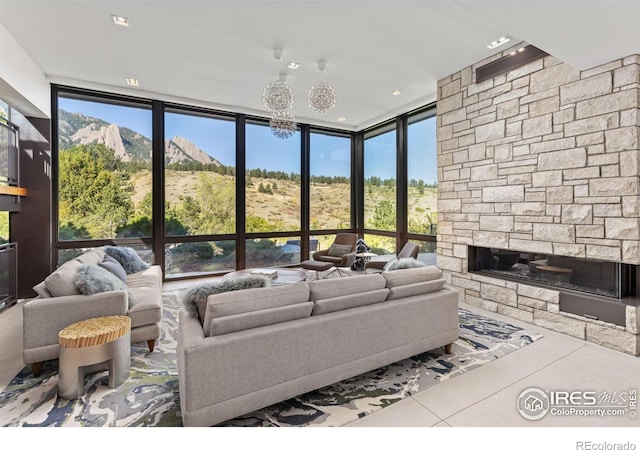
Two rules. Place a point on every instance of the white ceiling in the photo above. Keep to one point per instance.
(219, 54)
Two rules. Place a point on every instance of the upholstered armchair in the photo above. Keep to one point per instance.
(409, 250)
(342, 253)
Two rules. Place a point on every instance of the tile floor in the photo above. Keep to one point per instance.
(484, 397)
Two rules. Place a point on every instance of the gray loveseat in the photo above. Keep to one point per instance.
(257, 347)
(50, 312)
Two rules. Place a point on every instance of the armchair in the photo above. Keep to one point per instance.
(409, 250)
(335, 254)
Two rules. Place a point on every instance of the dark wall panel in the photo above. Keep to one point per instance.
(30, 227)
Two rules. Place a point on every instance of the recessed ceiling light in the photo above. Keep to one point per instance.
(119, 20)
(396, 92)
(499, 42)
(132, 82)
(293, 65)
(341, 119)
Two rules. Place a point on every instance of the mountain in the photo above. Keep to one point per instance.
(78, 129)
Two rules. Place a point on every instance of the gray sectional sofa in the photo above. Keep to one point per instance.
(257, 347)
(60, 303)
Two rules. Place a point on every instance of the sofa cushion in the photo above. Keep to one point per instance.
(253, 300)
(403, 263)
(62, 281)
(127, 257)
(321, 289)
(255, 319)
(409, 290)
(93, 279)
(41, 290)
(329, 305)
(339, 250)
(113, 266)
(331, 259)
(410, 276)
(92, 256)
(195, 300)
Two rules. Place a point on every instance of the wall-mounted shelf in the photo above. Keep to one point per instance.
(12, 190)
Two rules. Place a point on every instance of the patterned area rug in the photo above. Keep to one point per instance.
(150, 396)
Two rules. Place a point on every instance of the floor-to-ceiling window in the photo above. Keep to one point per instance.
(164, 177)
(272, 197)
(380, 197)
(199, 192)
(422, 184)
(329, 186)
(104, 173)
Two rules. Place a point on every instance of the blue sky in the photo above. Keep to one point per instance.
(329, 154)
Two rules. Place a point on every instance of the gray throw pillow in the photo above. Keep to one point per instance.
(195, 300)
(93, 279)
(339, 250)
(403, 263)
(113, 266)
(128, 259)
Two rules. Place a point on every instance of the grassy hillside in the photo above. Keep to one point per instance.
(330, 203)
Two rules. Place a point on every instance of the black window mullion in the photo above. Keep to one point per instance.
(241, 181)
(157, 158)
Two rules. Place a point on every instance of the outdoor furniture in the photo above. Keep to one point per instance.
(89, 342)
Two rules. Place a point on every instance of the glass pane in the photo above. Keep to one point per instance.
(144, 251)
(427, 252)
(330, 188)
(4, 227)
(195, 258)
(200, 182)
(422, 174)
(272, 252)
(381, 245)
(320, 242)
(380, 182)
(104, 170)
(273, 181)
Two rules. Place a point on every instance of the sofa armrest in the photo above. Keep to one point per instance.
(43, 318)
(320, 253)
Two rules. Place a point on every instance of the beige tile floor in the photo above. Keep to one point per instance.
(483, 397)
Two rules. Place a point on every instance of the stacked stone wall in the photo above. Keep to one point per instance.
(542, 159)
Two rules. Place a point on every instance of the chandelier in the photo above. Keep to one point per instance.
(277, 97)
(321, 96)
(283, 125)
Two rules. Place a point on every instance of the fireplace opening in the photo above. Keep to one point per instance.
(602, 278)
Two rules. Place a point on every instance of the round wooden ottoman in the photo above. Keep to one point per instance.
(93, 341)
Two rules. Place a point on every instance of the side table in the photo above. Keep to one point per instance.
(89, 342)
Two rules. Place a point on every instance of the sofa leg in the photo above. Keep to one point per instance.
(447, 348)
(36, 368)
(151, 343)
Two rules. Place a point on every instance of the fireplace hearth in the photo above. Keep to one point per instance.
(601, 278)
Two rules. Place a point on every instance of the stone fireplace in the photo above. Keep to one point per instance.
(541, 165)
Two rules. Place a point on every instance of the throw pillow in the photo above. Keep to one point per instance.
(128, 259)
(93, 279)
(339, 250)
(195, 300)
(403, 263)
(113, 266)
